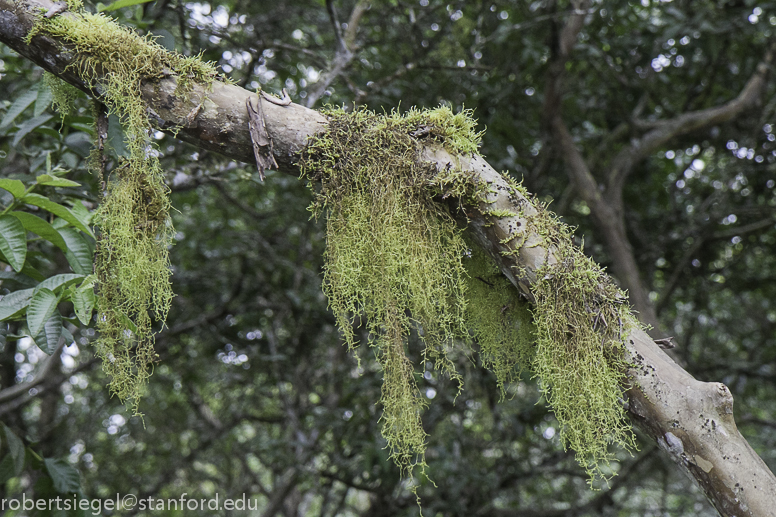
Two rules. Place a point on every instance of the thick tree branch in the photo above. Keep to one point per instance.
(692, 421)
(606, 205)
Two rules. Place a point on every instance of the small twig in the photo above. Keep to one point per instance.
(284, 100)
(666, 343)
(341, 47)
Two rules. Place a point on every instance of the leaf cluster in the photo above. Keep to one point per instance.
(69, 231)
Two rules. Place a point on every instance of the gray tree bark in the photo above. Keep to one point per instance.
(691, 421)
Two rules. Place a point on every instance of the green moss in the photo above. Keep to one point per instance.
(581, 320)
(396, 256)
(131, 261)
(501, 213)
(63, 94)
(392, 253)
(499, 318)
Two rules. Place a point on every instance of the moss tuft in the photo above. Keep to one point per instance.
(499, 318)
(63, 95)
(396, 256)
(392, 253)
(131, 261)
(581, 320)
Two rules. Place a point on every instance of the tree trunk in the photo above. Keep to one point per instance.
(692, 421)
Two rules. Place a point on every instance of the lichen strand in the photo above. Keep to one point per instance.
(392, 253)
(133, 271)
(581, 320)
(395, 255)
(63, 95)
(499, 318)
(131, 261)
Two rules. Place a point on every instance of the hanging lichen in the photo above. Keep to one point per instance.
(392, 253)
(131, 261)
(63, 95)
(499, 319)
(582, 319)
(395, 255)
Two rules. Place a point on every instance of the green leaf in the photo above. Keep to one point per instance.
(32, 272)
(44, 98)
(33, 223)
(81, 212)
(6, 469)
(67, 335)
(127, 322)
(13, 241)
(116, 138)
(52, 181)
(83, 300)
(29, 125)
(16, 450)
(15, 187)
(51, 333)
(80, 143)
(58, 210)
(78, 253)
(64, 476)
(18, 106)
(118, 4)
(15, 303)
(165, 38)
(48, 131)
(64, 281)
(42, 306)
(83, 128)
(20, 278)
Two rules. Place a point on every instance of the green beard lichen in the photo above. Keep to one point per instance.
(131, 260)
(392, 253)
(499, 319)
(582, 319)
(63, 95)
(396, 256)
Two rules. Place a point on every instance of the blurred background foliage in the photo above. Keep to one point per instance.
(255, 394)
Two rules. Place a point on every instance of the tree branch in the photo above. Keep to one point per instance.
(608, 218)
(611, 223)
(344, 53)
(664, 131)
(20, 389)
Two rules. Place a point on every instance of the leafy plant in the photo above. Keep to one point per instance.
(37, 306)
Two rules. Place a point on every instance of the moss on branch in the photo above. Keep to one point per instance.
(131, 261)
(396, 256)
